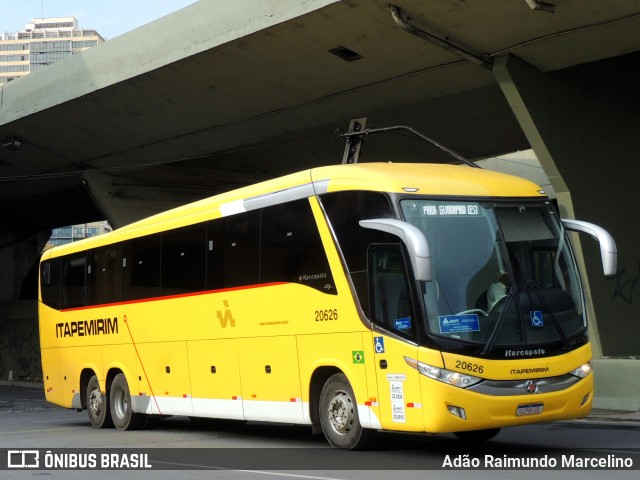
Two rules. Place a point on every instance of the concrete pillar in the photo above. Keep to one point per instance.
(19, 253)
(19, 341)
(588, 143)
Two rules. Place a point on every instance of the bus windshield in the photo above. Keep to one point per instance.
(503, 275)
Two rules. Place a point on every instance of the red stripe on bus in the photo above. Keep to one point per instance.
(171, 297)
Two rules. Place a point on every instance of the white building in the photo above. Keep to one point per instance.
(40, 43)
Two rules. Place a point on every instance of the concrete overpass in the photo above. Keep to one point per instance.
(222, 94)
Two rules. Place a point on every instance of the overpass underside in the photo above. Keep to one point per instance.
(223, 94)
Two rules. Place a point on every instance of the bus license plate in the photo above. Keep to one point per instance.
(529, 409)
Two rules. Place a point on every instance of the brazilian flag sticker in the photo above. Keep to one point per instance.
(358, 356)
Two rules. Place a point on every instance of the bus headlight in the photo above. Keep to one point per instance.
(582, 371)
(456, 379)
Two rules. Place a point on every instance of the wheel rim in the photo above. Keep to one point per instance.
(341, 413)
(95, 402)
(120, 403)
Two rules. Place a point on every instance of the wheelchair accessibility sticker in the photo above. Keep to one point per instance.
(378, 343)
(536, 318)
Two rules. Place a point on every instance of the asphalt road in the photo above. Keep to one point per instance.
(260, 451)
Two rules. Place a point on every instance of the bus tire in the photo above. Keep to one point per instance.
(120, 405)
(97, 405)
(339, 415)
(477, 436)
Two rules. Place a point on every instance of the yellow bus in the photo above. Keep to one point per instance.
(350, 298)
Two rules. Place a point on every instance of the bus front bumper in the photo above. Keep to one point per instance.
(453, 409)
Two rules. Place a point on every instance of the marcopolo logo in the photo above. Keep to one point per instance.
(525, 353)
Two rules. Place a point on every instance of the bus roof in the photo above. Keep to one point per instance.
(404, 178)
(427, 179)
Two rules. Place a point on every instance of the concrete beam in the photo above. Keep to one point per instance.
(194, 29)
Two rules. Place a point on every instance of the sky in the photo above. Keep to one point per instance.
(110, 18)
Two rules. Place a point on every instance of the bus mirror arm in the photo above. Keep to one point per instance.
(413, 239)
(608, 249)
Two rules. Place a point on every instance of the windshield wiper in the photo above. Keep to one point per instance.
(511, 298)
(511, 294)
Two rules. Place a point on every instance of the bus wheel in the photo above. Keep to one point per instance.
(477, 436)
(97, 405)
(339, 415)
(120, 402)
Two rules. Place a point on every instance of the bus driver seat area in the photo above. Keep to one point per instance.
(389, 290)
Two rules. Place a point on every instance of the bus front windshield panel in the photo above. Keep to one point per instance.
(503, 275)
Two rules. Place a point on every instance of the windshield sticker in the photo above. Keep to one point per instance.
(459, 323)
(403, 324)
(536, 318)
(451, 210)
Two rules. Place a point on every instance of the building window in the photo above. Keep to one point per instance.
(14, 47)
(14, 68)
(13, 58)
(84, 44)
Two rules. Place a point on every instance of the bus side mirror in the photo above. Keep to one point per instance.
(608, 250)
(413, 239)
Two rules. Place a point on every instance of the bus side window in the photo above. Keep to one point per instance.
(74, 281)
(50, 283)
(141, 267)
(184, 260)
(233, 251)
(389, 289)
(104, 275)
(344, 210)
(291, 248)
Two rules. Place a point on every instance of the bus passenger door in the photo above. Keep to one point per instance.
(393, 339)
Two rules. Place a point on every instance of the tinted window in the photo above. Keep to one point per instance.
(183, 260)
(345, 210)
(291, 249)
(141, 267)
(390, 291)
(50, 277)
(276, 244)
(104, 275)
(74, 270)
(233, 251)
